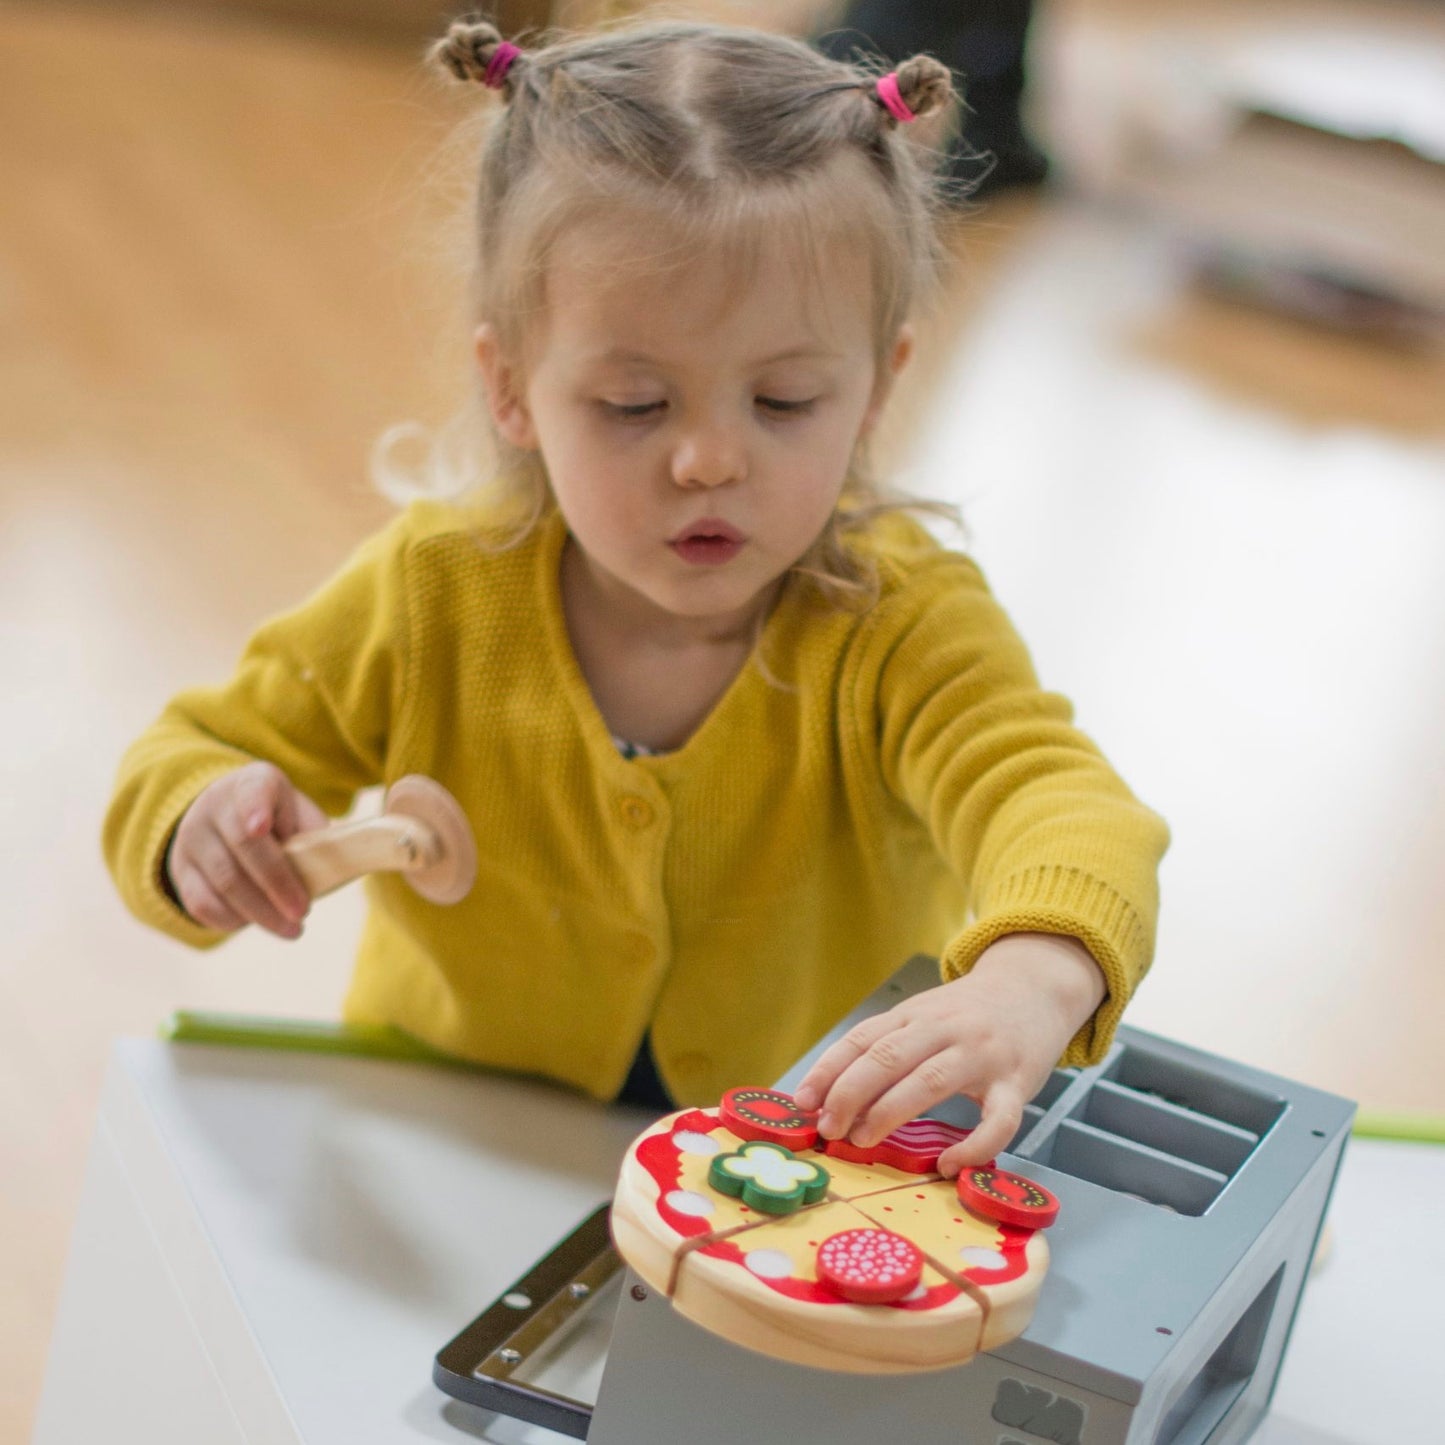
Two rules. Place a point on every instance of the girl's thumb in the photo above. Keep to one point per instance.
(298, 814)
(259, 798)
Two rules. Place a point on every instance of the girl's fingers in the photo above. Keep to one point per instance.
(933, 1079)
(819, 1080)
(264, 863)
(1003, 1112)
(203, 903)
(960, 1157)
(896, 1054)
(297, 814)
(227, 874)
(270, 811)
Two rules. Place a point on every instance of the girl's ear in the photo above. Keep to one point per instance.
(506, 398)
(888, 373)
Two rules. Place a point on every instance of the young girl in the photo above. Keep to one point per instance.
(736, 738)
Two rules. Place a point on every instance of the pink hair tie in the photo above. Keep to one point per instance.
(500, 64)
(892, 99)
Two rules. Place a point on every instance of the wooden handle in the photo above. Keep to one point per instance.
(329, 857)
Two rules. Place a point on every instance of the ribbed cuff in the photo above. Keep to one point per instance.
(1066, 902)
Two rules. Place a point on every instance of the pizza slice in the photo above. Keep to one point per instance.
(1000, 1265)
(665, 1205)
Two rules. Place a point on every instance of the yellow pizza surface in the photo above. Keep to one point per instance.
(851, 1180)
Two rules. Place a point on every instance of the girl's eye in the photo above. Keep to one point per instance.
(632, 411)
(786, 408)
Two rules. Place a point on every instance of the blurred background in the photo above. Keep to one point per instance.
(1185, 379)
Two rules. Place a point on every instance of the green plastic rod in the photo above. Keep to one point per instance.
(1410, 1128)
(375, 1041)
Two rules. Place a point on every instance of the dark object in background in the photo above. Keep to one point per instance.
(983, 42)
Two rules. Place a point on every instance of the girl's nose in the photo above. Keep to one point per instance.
(708, 457)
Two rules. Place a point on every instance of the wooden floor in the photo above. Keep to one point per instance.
(220, 278)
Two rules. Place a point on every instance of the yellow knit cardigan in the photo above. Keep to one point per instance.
(884, 778)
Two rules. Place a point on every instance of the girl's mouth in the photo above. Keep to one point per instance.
(708, 543)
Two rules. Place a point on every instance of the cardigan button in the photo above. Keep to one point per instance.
(637, 812)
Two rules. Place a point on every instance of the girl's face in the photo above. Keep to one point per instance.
(696, 424)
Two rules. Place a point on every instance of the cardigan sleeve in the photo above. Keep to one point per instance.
(316, 692)
(1044, 835)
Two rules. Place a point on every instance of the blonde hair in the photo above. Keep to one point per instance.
(716, 132)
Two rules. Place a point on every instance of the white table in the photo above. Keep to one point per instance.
(272, 1247)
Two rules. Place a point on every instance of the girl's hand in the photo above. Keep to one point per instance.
(993, 1035)
(225, 866)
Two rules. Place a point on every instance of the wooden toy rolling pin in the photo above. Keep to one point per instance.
(422, 834)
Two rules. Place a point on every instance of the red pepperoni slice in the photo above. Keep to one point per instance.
(1008, 1198)
(769, 1116)
(869, 1266)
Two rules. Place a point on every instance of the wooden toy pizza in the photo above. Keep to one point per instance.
(861, 1260)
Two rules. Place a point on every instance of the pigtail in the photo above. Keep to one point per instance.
(918, 87)
(925, 84)
(473, 49)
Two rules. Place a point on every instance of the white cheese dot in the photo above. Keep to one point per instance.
(977, 1257)
(769, 1263)
(691, 1142)
(685, 1201)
